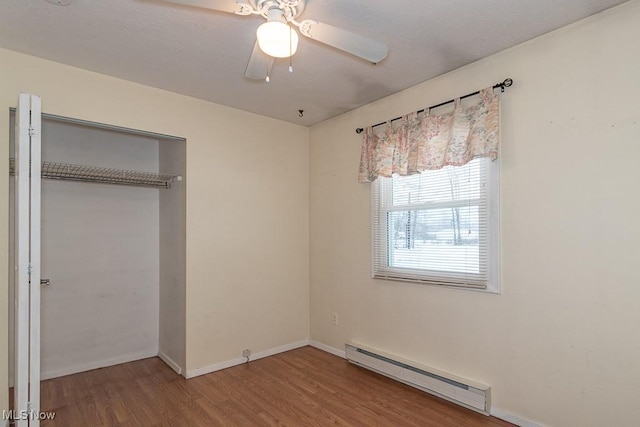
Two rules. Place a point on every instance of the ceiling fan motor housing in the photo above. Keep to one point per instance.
(290, 8)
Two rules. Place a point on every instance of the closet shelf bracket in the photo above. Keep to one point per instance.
(71, 172)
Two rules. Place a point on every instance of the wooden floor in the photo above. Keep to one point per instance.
(303, 387)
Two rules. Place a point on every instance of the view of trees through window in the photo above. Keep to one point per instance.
(434, 219)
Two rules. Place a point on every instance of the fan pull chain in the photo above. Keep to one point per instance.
(290, 49)
(267, 79)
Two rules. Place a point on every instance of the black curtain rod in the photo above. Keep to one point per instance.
(505, 83)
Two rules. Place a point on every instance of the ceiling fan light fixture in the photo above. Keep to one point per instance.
(275, 37)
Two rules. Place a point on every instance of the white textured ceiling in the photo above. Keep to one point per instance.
(204, 53)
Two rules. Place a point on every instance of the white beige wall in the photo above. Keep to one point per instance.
(560, 345)
(100, 249)
(172, 331)
(247, 205)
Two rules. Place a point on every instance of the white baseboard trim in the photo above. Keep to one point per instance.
(514, 419)
(281, 349)
(216, 367)
(328, 349)
(47, 375)
(240, 360)
(170, 362)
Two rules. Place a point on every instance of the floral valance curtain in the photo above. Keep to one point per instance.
(432, 141)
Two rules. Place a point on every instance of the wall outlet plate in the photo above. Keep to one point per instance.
(246, 352)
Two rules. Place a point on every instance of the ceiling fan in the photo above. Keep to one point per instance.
(277, 38)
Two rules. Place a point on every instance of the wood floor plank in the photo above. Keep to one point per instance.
(303, 387)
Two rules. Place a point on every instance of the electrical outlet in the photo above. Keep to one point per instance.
(335, 319)
(246, 352)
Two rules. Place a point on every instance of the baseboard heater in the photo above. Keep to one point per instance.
(467, 393)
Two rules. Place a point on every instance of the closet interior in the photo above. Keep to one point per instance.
(112, 247)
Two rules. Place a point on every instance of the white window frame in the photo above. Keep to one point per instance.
(380, 269)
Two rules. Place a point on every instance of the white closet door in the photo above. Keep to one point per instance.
(27, 266)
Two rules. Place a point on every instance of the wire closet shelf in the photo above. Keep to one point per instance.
(71, 172)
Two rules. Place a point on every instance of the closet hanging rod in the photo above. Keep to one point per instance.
(71, 172)
(502, 85)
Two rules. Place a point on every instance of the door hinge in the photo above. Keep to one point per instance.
(32, 131)
(29, 268)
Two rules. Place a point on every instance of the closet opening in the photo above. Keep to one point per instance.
(113, 247)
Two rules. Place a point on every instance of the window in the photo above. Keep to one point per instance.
(439, 227)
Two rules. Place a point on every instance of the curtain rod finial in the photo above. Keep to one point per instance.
(359, 131)
(506, 83)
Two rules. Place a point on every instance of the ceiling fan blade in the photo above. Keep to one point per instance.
(230, 6)
(363, 47)
(259, 65)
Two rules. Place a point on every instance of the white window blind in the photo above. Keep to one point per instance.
(438, 227)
